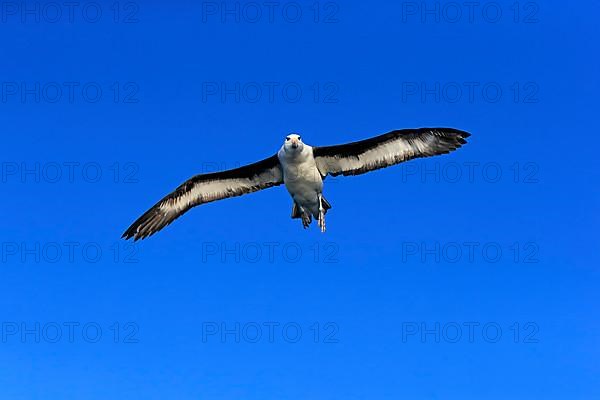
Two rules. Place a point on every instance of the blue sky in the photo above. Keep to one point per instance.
(471, 275)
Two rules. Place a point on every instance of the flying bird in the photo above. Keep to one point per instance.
(302, 169)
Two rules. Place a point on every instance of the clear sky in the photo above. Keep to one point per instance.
(467, 276)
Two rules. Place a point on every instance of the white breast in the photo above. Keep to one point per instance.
(301, 177)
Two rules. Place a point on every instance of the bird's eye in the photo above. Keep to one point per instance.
(287, 139)
(299, 138)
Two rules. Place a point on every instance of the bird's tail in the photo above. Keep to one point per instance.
(326, 204)
(296, 213)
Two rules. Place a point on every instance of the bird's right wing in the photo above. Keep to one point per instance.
(203, 189)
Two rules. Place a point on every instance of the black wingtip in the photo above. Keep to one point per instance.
(457, 135)
(448, 139)
(463, 135)
(129, 234)
(458, 132)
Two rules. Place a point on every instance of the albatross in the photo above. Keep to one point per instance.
(302, 168)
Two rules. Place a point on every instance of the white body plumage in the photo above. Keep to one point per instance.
(301, 175)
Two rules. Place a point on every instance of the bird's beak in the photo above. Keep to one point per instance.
(294, 143)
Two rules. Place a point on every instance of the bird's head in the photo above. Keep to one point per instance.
(293, 143)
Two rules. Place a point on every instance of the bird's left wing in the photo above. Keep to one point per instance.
(205, 188)
(385, 150)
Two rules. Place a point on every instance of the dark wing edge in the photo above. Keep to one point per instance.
(206, 188)
(388, 149)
